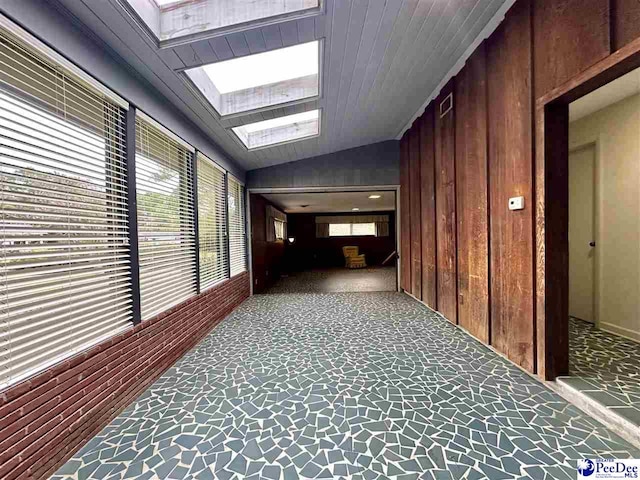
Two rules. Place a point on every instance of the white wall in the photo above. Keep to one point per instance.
(616, 131)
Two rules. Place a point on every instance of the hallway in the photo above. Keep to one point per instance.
(364, 385)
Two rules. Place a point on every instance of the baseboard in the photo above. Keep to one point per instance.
(620, 331)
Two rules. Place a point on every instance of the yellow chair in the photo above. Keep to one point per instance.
(352, 259)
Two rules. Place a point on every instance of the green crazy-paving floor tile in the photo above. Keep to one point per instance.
(359, 386)
(605, 367)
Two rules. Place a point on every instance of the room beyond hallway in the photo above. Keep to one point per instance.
(338, 280)
(366, 385)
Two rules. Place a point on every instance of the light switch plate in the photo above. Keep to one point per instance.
(516, 203)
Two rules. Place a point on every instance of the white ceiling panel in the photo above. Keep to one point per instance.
(381, 61)
(334, 202)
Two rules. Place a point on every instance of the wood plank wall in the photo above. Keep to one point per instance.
(415, 213)
(570, 35)
(405, 216)
(625, 15)
(510, 164)
(477, 258)
(446, 204)
(472, 196)
(428, 207)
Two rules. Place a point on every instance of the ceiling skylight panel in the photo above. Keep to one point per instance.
(262, 80)
(264, 68)
(279, 130)
(171, 19)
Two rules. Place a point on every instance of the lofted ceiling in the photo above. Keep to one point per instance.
(382, 60)
(333, 202)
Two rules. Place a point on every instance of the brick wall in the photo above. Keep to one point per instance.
(48, 417)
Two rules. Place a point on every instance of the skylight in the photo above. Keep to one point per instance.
(262, 80)
(264, 68)
(164, 3)
(279, 130)
(170, 19)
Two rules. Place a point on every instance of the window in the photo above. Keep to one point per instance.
(260, 80)
(212, 223)
(166, 226)
(66, 281)
(352, 229)
(279, 130)
(237, 237)
(279, 228)
(170, 19)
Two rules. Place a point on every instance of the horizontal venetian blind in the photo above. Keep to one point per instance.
(65, 250)
(212, 223)
(166, 226)
(237, 236)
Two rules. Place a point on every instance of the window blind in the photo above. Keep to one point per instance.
(65, 250)
(212, 218)
(237, 237)
(166, 226)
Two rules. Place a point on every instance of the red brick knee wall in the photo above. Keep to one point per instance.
(47, 418)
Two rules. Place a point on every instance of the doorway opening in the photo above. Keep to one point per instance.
(324, 241)
(604, 248)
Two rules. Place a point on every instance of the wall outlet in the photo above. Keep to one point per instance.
(516, 203)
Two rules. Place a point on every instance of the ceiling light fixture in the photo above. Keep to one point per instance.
(374, 197)
(355, 209)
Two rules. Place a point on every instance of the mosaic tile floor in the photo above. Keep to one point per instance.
(606, 368)
(335, 280)
(352, 386)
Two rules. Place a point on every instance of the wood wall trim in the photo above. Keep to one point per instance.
(552, 240)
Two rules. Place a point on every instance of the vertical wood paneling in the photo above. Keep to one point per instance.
(472, 196)
(570, 35)
(625, 22)
(405, 216)
(510, 165)
(446, 207)
(428, 207)
(416, 220)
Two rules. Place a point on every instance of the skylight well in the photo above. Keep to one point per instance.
(170, 19)
(279, 130)
(262, 80)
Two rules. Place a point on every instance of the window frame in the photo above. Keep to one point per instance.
(77, 172)
(118, 154)
(202, 284)
(351, 234)
(277, 223)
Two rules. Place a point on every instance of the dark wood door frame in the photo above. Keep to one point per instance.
(552, 206)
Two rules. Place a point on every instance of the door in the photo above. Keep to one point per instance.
(582, 233)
